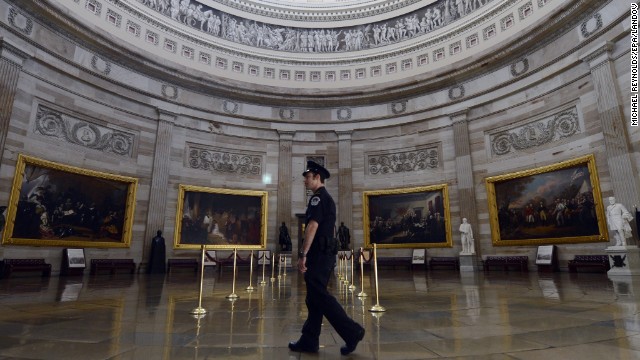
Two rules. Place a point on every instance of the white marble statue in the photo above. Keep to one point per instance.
(466, 234)
(618, 218)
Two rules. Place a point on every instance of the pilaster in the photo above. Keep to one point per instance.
(285, 165)
(345, 179)
(11, 62)
(159, 179)
(624, 180)
(464, 174)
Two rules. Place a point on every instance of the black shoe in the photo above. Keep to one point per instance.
(351, 345)
(298, 346)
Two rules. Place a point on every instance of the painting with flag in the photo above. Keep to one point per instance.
(557, 203)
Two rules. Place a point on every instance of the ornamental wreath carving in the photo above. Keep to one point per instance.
(401, 161)
(552, 128)
(54, 124)
(224, 161)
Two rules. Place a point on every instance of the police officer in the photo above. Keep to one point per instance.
(316, 260)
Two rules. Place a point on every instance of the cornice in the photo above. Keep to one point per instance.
(316, 14)
(274, 96)
(11, 53)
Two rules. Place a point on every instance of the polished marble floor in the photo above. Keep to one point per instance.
(429, 315)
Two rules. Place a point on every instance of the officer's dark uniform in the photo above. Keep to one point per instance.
(321, 259)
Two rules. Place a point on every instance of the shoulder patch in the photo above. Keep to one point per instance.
(315, 201)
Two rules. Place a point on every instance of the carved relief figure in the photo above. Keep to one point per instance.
(240, 30)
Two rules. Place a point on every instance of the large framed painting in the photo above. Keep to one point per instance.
(416, 217)
(52, 204)
(553, 204)
(220, 218)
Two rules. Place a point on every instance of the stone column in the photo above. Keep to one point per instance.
(624, 181)
(285, 177)
(11, 61)
(159, 181)
(464, 174)
(345, 180)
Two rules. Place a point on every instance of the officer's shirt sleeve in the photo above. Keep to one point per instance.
(314, 211)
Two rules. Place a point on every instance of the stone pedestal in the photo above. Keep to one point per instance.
(467, 262)
(624, 260)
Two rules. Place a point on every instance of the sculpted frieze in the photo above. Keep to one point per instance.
(224, 161)
(533, 134)
(55, 124)
(314, 40)
(402, 161)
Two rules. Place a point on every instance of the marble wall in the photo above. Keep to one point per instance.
(528, 113)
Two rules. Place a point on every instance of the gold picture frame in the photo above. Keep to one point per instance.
(553, 204)
(53, 204)
(416, 217)
(220, 218)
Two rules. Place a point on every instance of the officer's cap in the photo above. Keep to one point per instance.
(316, 168)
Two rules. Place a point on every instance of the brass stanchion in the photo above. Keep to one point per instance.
(352, 286)
(233, 294)
(284, 272)
(273, 268)
(250, 287)
(377, 307)
(362, 294)
(345, 272)
(200, 310)
(264, 261)
(279, 266)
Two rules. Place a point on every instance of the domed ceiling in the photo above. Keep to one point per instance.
(316, 51)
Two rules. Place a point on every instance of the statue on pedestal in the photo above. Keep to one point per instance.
(344, 237)
(618, 218)
(284, 238)
(466, 233)
(157, 255)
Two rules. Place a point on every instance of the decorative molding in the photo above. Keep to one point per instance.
(11, 53)
(583, 27)
(224, 161)
(344, 114)
(93, 6)
(456, 92)
(325, 14)
(230, 107)
(133, 28)
(522, 64)
(169, 91)
(64, 127)
(399, 107)
(229, 27)
(459, 116)
(522, 10)
(286, 114)
(215, 128)
(598, 56)
(558, 126)
(115, 16)
(100, 65)
(402, 161)
(20, 21)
